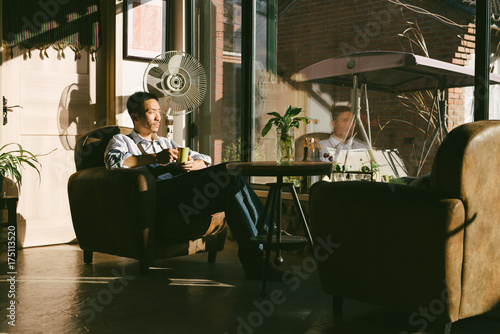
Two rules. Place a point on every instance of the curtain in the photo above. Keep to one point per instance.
(40, 24)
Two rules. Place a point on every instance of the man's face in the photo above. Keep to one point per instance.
(150, 122)
(344, 125)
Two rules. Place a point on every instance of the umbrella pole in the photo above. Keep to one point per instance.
(356, 108)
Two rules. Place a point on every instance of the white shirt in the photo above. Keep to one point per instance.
(335, 145)
(121, 146)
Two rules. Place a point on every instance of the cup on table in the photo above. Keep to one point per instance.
(183, 155)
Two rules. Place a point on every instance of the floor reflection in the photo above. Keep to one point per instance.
(57, 293)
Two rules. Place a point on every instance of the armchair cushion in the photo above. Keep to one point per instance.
(391, 242)
(118, 203)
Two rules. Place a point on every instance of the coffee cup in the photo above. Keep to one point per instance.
(183, 155)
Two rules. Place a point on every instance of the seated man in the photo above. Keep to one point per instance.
(342, 135)
(177, 186)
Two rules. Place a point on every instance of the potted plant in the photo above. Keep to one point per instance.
(284, 131)
(12, 162)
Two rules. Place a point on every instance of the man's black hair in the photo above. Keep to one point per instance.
(135, 103)
(336, 111)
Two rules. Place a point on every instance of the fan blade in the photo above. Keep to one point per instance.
(165, 104)
(155, 91)
(188, 101)
(175, 63)
(155, 72)
(160, 87)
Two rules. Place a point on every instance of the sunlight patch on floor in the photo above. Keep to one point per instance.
(198, 282)
(26, 278)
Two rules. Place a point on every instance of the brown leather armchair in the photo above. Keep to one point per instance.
(115, 212)
(414, 248)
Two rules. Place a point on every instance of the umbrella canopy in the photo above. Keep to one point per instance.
(390, 72)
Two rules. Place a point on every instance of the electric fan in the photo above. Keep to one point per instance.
(178, 80)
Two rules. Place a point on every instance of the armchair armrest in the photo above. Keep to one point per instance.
(390, 237)
(113, 211)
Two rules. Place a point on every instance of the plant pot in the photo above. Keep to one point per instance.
(285, 146)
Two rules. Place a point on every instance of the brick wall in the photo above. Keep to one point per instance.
(314, 30)
(217, 72)
(456, 107)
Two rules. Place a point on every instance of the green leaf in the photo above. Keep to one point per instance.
(293, 111)
(306, 120)
(274, 113)
(365, 169)
(285, 122)
(13, 162)
(266, 128)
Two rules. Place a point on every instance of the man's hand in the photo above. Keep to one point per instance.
(167, 156)
(191, 165)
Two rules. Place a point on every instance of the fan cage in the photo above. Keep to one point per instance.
(178, 80)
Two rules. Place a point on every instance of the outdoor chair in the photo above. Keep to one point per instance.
(115, 212)
(412, 248)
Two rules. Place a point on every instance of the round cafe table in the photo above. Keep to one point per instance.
(277, 241)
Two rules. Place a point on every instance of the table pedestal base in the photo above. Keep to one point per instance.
(273, 206)
(274, 239)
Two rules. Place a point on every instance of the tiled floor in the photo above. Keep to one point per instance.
(57, 293)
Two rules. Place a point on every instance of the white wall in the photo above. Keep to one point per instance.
(132, 74)
(55, 95)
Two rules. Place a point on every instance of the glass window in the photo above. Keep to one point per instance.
(289, 38)
(216, 126)
(394, 121)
